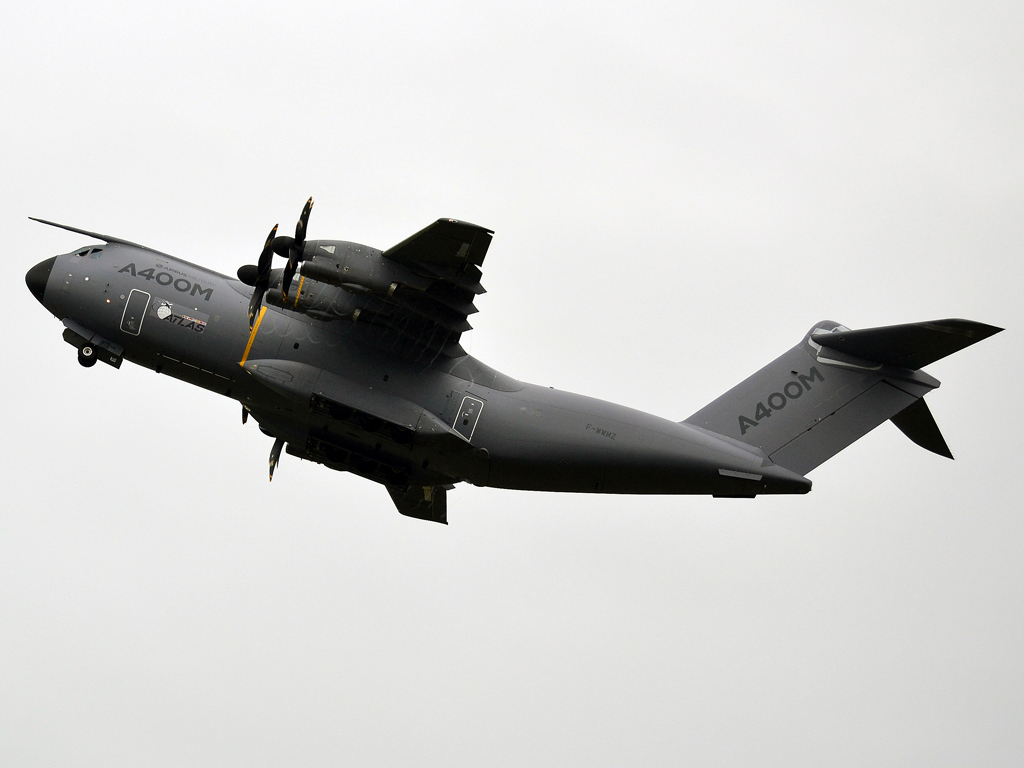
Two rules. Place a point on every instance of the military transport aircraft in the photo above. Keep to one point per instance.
(349, 356)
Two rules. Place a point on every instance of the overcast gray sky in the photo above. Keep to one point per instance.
(678, 193)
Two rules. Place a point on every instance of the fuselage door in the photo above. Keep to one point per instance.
(135, 312)
(469, 415)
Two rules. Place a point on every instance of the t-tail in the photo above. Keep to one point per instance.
(836, 386)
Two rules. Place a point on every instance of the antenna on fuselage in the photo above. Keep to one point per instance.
(98, 236)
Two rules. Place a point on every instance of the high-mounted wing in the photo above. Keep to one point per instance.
(450, 250)
(413, 299)
(420, 304)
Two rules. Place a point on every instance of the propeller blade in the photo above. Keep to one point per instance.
(286, 279)
(300, 227)
(289, 247)
(268, 252)
(295, 248)
(262, 277)
(245, 414)
(256, 302)
(275, 456)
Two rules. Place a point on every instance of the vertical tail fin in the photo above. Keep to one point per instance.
(836, 386)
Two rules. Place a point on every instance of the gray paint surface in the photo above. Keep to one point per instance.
(322, 372)
(678, 193)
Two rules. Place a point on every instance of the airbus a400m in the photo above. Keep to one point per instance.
(349, 356)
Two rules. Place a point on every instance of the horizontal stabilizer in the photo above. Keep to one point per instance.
(912, 346)
(916, 422)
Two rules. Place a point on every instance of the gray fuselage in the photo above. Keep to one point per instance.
(357, 406)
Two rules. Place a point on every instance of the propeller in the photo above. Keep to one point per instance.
(262, 280)
(291, 248)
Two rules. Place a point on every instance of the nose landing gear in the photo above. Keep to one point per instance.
(91, 346)
(87, 355)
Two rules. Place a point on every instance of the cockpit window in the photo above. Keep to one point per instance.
(92, 253)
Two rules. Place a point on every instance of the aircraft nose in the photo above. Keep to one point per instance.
(37, 277)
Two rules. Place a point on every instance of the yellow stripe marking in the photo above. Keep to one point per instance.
(299, 291)
(252, 334)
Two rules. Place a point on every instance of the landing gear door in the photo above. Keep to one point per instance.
(468, 416)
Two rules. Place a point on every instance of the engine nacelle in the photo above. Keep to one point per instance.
(311, 297)
(357, 268)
